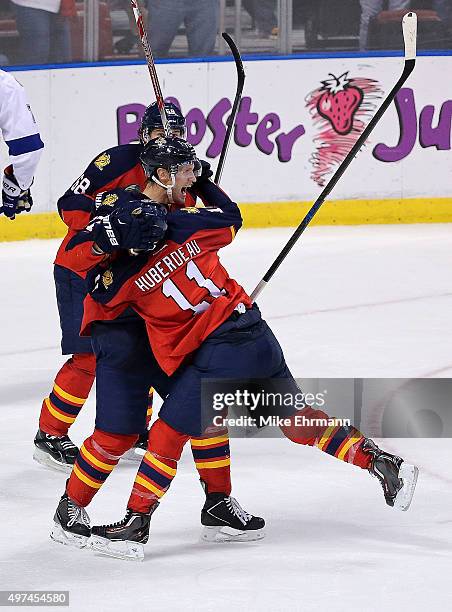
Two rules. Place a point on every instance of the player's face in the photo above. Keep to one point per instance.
(158, 132)
(185, 178)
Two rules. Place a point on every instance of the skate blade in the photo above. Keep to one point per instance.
(127, 550)
(68, 539)
(47, 461)
(134, 454)
(227, 534)
(409, 474)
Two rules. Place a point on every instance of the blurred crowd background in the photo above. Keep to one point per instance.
(60, 31)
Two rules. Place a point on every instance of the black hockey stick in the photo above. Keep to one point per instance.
(238, 96)
(151, 65)
(409, 25)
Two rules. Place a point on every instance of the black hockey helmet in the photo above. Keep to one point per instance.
(152, 120)
(168, 153)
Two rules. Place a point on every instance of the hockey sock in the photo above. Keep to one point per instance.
(72, 386)
(96, 460)
(158, 466)
(344, 443)
(212, 460)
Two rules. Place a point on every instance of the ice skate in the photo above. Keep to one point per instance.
(71, 524)
(397, 478)
(56, 452)
(224, 520)
(136, 453)
(124, 539)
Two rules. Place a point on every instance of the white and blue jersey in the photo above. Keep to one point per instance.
(19, 129)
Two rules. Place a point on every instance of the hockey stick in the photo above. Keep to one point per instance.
(238, 96)
(151, 65)
(409, 25)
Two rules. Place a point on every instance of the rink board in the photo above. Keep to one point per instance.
(285, 146)
(271, 214)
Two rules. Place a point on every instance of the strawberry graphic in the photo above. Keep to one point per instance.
(340, 106)
(339, 102)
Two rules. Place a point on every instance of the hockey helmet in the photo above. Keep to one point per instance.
(168, 153)
(152, 120)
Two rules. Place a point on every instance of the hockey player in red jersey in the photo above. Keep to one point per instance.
(119, 166)
(201, 324)
(125, 368)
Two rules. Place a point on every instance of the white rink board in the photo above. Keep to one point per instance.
(77, 111)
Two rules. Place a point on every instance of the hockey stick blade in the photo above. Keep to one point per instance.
(409, 26)
(238, 96)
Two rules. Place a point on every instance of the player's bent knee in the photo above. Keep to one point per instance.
(112, 445)
(165, 441)
(306, 426)
(85, 362)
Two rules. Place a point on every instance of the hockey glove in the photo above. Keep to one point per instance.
(202, 171)
(137, 225)
(15, 200)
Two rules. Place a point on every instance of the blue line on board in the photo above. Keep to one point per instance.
(227, 58)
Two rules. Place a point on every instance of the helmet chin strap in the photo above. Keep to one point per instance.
(167, 188)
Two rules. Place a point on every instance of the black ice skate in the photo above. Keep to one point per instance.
(124, 539)
(137, 451)
(397, 478)
(71, 524)
(56, 452)
(224, 520)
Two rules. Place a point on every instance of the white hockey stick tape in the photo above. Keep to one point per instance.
(409, 26)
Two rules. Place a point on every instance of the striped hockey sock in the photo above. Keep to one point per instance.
(98, 456)
(212, 460)
(343, 442)
(72, 386)
(158, 466)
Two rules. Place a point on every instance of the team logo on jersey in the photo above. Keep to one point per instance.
(191, 210)
(102, 161)
(110, 199)
(107, 278)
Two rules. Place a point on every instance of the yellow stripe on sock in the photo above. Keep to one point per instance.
(208, 441)
(232, 228)
(348, 445)
(92, 459)
(212, 464)
(148, 485)
(58, 415)
(68, 396)
(165, 468)
(326, 436)
(85, 479)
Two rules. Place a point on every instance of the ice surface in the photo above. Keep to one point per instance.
(359, 301)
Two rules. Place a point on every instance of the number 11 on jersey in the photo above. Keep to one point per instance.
(170, 289)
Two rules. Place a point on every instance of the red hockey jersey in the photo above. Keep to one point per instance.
(116, 167)
(182, 291)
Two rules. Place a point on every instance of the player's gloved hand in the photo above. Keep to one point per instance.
(137, 224)
(202, 171)
(14, 199)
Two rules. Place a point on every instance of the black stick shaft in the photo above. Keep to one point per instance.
(238, 96)
(408, 69)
